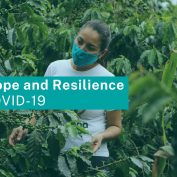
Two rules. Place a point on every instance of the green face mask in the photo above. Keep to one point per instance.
(82, 58)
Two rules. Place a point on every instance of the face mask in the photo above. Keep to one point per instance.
(81, 57)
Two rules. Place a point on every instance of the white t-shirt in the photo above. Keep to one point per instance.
(92, 120)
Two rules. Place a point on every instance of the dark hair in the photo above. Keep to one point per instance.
(102, 29)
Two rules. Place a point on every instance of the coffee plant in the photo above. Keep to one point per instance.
(33, 33)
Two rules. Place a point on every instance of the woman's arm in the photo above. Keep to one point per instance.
(114, 125)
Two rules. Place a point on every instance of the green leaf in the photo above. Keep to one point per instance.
(145, 158)
(63, 167)
(34, 147)
(154, 107)
(70, 115)
(72, 130)
(170, 70)
(11, 36)
(72, 164)
(137, 162)
(82, 130)
(152, 57)
(132, 172)
(8, 65)
(53, 144)
(87, 14)
(159, 57)
(11, 20)
(6, 174)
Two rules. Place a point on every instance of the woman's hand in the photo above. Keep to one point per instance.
(114, 125)
(17, 134)
(96, 141)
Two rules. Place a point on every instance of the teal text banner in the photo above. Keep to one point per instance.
(54, 93)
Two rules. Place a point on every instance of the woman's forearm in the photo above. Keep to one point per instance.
(111, 132)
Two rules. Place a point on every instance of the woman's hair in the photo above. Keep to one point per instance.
(102, 29)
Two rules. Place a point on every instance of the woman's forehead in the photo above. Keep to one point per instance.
(90, 36)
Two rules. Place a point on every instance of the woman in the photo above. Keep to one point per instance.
(89, 47)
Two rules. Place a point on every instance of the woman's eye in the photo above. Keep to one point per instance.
(80, 41)
(91, 48)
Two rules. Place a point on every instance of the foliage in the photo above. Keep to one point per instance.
(35, 33)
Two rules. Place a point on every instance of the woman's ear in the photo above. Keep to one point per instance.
(103, 53)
